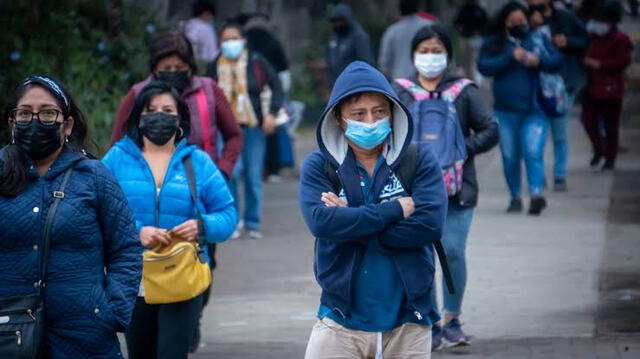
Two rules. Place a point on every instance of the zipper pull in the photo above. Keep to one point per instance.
(30, 312)
(418, 315)
(19, 337)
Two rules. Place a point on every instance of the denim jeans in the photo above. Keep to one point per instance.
(523, 136)
(250, 167)
(560, 140)
(454, 241)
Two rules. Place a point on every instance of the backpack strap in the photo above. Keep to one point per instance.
(257, 67)
(452, 93)
(205, 119)
(332, 174)
(418, 92)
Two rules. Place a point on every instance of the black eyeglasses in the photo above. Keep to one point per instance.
(541, 8)
(46, 117)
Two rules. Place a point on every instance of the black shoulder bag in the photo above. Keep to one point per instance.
(22, 317)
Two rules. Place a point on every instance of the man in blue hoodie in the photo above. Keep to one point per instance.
(373, 254)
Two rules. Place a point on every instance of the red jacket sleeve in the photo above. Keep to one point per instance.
(126, 105)
(230, 131)
(622, 58)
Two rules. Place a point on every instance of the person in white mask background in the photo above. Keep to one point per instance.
(243, 75)
(433, 57)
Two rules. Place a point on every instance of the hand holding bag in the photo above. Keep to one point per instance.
(22, 317)
(179, 271)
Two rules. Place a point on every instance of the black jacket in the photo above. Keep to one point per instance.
(567, 23)
(479, 127)
(259, 74)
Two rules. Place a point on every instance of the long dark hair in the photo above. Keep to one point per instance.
(142, 102)
(498, 29)
(172, 43)
(13, 177)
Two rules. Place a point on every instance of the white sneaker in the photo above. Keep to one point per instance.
(235, 234)
(253, 234)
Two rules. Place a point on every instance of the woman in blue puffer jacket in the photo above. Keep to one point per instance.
(94, 262)
(148, 163)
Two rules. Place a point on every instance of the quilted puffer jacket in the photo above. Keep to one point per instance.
(173, 203)
(95, 257)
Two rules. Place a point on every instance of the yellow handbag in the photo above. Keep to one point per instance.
(179, 271)
(174, 273)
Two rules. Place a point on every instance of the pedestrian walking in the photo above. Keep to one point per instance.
(243, 76)
(201, 32)
(69, 253)
(567, 32)
(394, 59)
(376, 204)
(152, 163)
(511, 57)
(172, 60)
(433, 56)
(471, 22)
(349, 42)
(607, 57)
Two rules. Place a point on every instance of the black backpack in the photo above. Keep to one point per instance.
(406, 172)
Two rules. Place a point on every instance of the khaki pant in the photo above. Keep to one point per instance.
(330, 340)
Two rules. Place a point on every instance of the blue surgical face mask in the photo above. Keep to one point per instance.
(232, 49)
(368, 136)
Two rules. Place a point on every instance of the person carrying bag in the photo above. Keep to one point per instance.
(179, 271)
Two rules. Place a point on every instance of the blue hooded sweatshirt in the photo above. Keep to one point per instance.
(173, 203)
(345, 234)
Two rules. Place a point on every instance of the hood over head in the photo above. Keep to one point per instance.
(341, 11)
(356, 78)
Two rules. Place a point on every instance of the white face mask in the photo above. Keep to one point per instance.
(430, 65)
(598, 28)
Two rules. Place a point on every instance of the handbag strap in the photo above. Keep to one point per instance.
(46, 236)
(191, 178)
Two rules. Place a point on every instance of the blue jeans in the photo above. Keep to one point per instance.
(523, 136)
(560, 139)
(454, 241)
(250, 167)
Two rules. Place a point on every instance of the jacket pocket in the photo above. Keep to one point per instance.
(102, 313)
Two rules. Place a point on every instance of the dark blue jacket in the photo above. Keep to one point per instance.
(514, 85)
(95, 259)
(342, 232)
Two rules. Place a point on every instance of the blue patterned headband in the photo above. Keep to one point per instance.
(50, 84)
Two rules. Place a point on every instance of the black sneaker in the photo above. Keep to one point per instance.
(560, 185)
(608, 166)
(595, 161)
(515, 206)
(537, 204)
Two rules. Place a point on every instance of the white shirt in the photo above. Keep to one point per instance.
(203, 38)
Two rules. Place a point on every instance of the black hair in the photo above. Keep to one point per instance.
(200, 6)
(172, 43)
(142, 102)
(337, 109)
(232, 24)
(429, 32)
(13, 177)
(408, 7)
(498, 28)
(610, 11)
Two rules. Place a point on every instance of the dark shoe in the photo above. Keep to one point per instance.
(453, 333)
(515, 206)
(560, 185)
(595, 161)
(537, 204)
(608, 166)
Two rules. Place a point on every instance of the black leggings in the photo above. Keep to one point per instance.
(162, 331)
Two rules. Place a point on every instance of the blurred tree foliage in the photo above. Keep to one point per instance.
(96, 48)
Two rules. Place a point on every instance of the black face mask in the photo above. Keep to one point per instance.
(177, 79)
(340, 28)
(37, 140)
(519, 31)
(159, 127)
